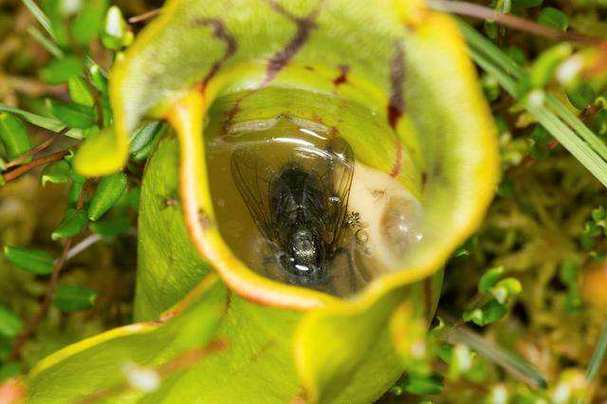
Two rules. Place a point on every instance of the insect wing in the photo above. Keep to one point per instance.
(251, 175)
(342, 175)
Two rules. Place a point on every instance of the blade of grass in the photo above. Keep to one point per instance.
(512, 363)
(486, 47)
(553, 115)
(45, 42)
(569, 117)
(40, 16)
(561, 132)
(597, 356)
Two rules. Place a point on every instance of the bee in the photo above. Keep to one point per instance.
(299, 207)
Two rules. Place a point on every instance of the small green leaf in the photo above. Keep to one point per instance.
(10, 323)
(599, 214)
(599, 123)
(98, 79)
(545, 66)
(74, 115)
(74, 222)
(489, 279)
(56, 173)
(489, 313)
(144, 136)
(490, 87)
(460, 361)
(44, 122)
(79, 92)
(88, 23)
(59, 71)
(569, 273)
(71, 298)
(34, 261)
(581, 96)
(9, 370)
(116, 33)
(111, 227)
(78, 182)
(540, 138)
(554, 18)
(415, 384)
(55, 16)
(13, 135)
(506, 289)
(108, 193)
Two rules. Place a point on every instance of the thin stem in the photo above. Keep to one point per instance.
(144, 17)
(44, 306)
(26, 168)
(521, 24)
(597, 357)
(32, 152)
(83, 245)
(48, 296)
(512, 363)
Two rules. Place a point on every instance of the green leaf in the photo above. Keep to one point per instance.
(74, 222)
(489, 279)
(506, 289)
(59, 71)
(44, 122)
(10, 370)
(544, 67)
(144, 136)
(79, 92)
(415, 384)
(554, 18)
(54, 14)
(74, 115)
(581, 96)
(75, 192)
(541, 139)
(116, 33)
(460, 361)
(98, 79)
(489, 313)
(108, 193)
(111, 227)
(56, 173)
(97, 364)
(88, 23)
(569, 273)
(72, 298)
(35, 261)
(10, 323)
(13, 135)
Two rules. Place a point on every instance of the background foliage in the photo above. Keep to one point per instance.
(531, 282)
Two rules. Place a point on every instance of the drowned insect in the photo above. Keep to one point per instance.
(300, 207)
